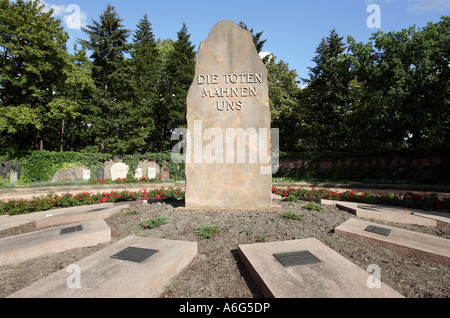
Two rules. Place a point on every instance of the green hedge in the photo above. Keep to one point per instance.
(42, 165)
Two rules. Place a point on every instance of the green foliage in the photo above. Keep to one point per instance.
(177, 75)
(52, 201)
(291, 216)
(131, 212)
(126, 97)
(108, 42)
(154, 222)
(326, 98)
(285, 109)
(35, 68)
(291, 198)
(407, 200)
(40, 166)
(145, 65)
(313, 206)
(208, 231)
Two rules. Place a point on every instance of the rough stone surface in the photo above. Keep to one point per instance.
(69, 174)
(229, 92)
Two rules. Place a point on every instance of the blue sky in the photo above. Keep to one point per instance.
(293, 28)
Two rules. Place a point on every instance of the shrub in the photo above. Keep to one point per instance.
(154, 222)
(291, 216)
(208, 231)
(291, 198)
(313, 206)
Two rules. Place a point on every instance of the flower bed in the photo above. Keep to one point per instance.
(408, 200)
(52, 201)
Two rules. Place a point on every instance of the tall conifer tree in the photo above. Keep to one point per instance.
(108, 44)
(327, 95)
(177, 79)
(146, 68)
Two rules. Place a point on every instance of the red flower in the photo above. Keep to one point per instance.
(438, 205)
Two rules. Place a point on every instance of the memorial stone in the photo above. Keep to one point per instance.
(119, 170)
(152, 172)
(228, 163)
(86, 175)
(4, 169)
(138, 174)
(100, 173)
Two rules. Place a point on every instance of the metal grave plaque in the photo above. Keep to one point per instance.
(378, 230)
(72, 229)
(297, 258)
(135, 254)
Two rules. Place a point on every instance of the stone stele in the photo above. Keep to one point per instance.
(119, 170)
(228, 164)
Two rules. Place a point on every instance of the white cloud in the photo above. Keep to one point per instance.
(421, 6)
(264, 54)
(71, 15)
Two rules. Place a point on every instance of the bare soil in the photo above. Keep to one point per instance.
(217, 271)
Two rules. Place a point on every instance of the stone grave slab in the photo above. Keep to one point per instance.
(104, 274)
(43, 218)
(412, 244)
(313, 270)
(53, 240)
(78, 214)
(387, 213)
(228, 144)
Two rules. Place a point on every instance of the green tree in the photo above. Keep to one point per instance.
(285, 109)
(34, 67)
(146, 67)
(259, 43)
(175, 83)
(327, 97)
(403, 80)
(109, 45)
(73, 101)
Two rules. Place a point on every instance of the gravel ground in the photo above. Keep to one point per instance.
(217, 271)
